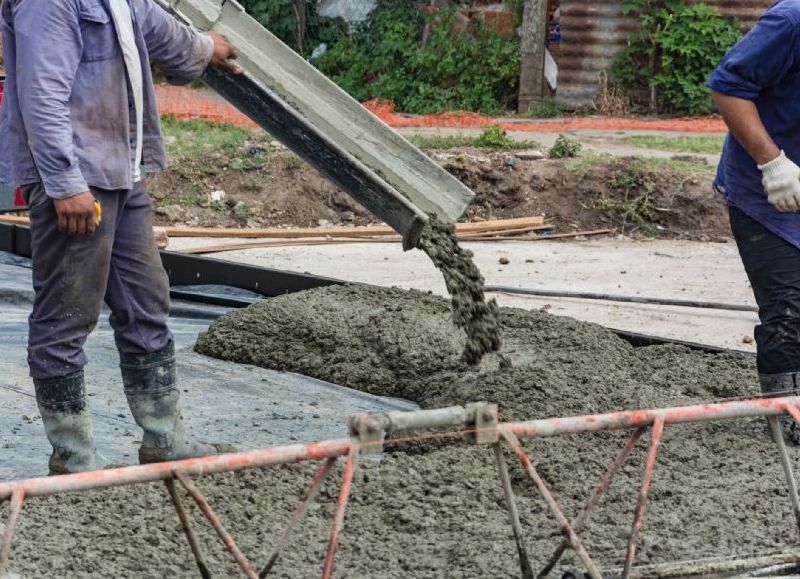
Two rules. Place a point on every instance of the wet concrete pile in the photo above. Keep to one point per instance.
(718, 487)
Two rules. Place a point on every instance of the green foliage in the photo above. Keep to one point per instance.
(549, 108)
(517, 7)
(706, 144)
(673, 53)
(441, 142)
(565, 147)
(282, 19)
(278, 16)
(493, 137)
(349, 67)
(474, 69)
(637, 189)
(191, 138)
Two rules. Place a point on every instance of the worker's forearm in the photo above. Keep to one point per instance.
(745, 124)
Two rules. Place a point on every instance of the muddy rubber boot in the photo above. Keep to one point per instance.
(151, 388)
(777, 385)
(68, 425)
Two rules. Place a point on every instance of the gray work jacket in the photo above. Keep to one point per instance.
(66, 117)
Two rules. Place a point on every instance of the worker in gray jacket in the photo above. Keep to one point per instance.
(81, 132)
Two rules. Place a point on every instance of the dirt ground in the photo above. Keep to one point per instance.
(267, 186)
(433, 511)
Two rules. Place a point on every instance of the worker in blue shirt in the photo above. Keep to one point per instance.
(757, 90)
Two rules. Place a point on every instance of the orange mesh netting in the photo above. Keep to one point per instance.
(189, 104)
(385, 110)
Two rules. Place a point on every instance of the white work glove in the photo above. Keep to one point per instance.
(782, 183)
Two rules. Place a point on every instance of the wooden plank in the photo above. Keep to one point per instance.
(336, 232)
(506, 232)
(549, 236)
(518, 225)
(15, 219)
(207, 249)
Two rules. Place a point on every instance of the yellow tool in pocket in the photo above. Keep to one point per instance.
(98, 211)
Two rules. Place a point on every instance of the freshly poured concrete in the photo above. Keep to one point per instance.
(660, 268)
(439, 512)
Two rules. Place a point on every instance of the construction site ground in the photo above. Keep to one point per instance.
(432, 510)
(234, 177)
(270, 408)
(670, 233)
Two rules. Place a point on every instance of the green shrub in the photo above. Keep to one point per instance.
(673, 53)
(281, 18)
(549, 108)
(474, 70)
(277, 16)
(565, 147)
(493, 137)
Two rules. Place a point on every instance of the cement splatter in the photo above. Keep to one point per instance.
(479, 318)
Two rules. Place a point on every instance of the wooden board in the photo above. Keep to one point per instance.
(337, 232)
(518, 225)
(15, 219)
(208, 249)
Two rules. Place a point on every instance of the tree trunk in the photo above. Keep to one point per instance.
(532, 50)
(299, 7)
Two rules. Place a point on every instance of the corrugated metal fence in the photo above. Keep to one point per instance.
(593, 31)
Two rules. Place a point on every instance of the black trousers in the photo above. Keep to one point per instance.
(773, 266)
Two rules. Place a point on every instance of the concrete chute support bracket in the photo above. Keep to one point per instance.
(315, 118)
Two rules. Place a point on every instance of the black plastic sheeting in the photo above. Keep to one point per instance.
(223, 402)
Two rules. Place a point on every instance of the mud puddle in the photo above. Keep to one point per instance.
(717, 490)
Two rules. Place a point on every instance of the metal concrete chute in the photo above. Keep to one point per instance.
(315, 118)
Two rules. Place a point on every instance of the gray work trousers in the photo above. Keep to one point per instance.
(74, 275)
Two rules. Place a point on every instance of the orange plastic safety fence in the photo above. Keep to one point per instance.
(385, 110)
(188, 104)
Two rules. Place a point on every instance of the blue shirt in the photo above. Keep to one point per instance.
(764, 67)
(66, 117)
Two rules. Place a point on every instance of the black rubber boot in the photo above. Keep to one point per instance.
(775, 386)
(151, 389)
(68, 425)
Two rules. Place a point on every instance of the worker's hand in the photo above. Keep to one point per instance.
(76, 215)
(224, 54)
(782, 183)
